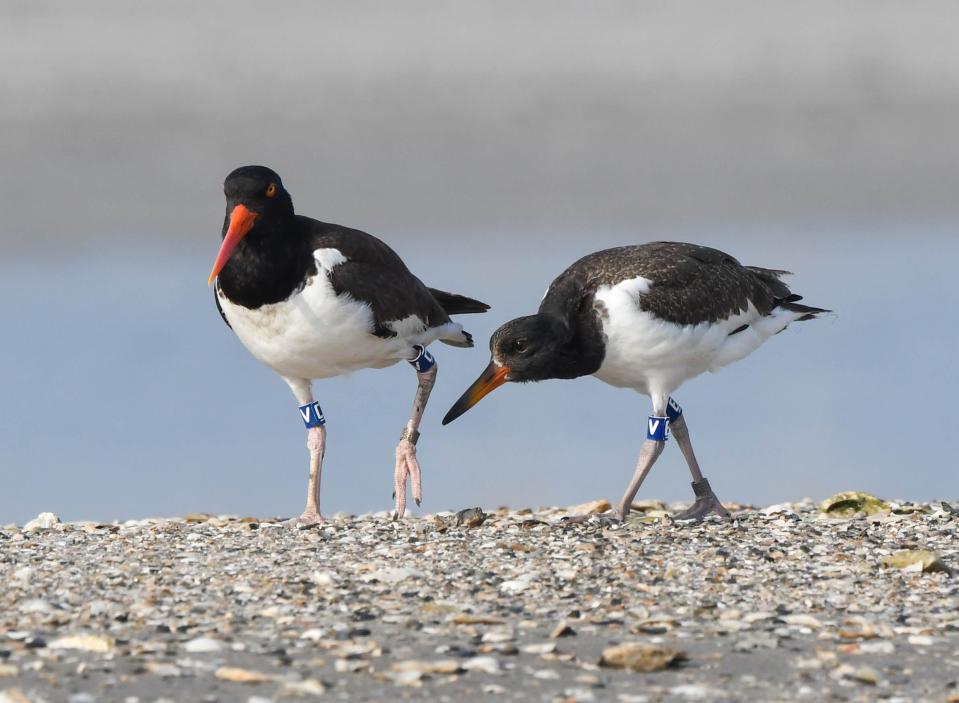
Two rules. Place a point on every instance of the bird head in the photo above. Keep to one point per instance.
(253, 194)
(530, 348)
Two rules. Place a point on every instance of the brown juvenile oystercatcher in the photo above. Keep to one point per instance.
(313, 300)
(647, 317)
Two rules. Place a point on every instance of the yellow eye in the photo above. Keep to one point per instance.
(271, 190)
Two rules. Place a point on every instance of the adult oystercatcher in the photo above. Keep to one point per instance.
(313, 300)
(645, 317)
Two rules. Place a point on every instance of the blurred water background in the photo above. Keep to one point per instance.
(491, 144)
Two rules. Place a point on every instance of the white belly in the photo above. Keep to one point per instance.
(318, 334)
(655, 357)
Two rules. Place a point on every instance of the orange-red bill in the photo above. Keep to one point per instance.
(492, 378)
(241, 222)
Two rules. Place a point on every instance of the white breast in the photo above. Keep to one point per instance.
(655, 357)
(318, 334)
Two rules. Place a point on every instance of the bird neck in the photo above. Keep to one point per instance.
(268, 265)
(577, 350)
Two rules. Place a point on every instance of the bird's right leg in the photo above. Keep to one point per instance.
(706, 501)
(312, 416)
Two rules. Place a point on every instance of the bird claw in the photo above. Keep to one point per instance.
(707, 505)
(407, 467)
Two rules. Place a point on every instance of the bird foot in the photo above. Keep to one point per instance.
(309, 518)
(407, 468)
(708, 505)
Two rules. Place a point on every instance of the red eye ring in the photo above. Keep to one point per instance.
(271, 190)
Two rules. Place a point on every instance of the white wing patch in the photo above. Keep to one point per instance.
(329, 258)
(634, 287)
(655, 357)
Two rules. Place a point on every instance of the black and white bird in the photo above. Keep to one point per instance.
(314, 300)
(647, 317)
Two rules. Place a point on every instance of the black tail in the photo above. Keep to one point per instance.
(455, 304)
(784, 298)
(791, 304)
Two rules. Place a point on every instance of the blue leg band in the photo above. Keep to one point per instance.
(657, 428)
(423, 361)
(673, 411)
(312, 415)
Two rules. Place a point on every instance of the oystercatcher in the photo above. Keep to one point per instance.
(647, 317)
(313, 300)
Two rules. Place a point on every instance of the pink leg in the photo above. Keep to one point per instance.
(316, 443)
(407, 465)
(647, 457)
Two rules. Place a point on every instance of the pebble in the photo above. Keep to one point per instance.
(498, 636)
(483, 665)
(202, 645)
(639, 656)
(310, 687)
(43, 521)
(86, 643)
(394, 575)
(514, 586)
(697, 692)
(238, 675)
(164, 669)
(562, 629)
(443, 666)
(917, 560)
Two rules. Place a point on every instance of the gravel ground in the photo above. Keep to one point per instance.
(784, 603)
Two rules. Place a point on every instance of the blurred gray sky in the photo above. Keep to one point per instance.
(122, 118)
(491, 144)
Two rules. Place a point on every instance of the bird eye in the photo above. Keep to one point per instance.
(520, 345)
(271, 190)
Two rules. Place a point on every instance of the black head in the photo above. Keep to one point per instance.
(255, 201)
(532, 348)
(529, 347)
(259, 189)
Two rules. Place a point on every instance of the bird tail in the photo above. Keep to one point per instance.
(455, 304)
(456, 336)
(791, 304)
(785, 298)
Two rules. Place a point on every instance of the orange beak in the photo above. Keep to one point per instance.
(492, 378)
(241, 222)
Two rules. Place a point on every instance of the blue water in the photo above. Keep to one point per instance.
(126, 395)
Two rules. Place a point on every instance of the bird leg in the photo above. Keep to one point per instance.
(316, 443)
(648, 455)
(657, 432)
(407, 465)
(315, 422)
(706, 501)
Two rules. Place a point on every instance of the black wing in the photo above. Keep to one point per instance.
(690, 284)
(374, 274)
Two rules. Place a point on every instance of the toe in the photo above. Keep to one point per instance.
(305, 521)
(417, 478)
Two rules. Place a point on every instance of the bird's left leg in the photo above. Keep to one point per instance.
(657, 432)
(407, 465)
(706, 501)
